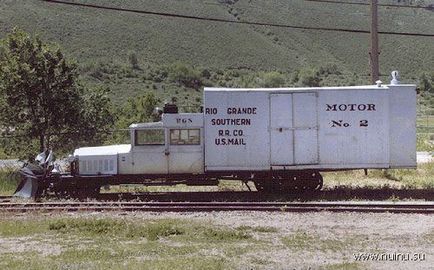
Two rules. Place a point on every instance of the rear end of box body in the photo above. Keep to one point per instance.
(329, 128)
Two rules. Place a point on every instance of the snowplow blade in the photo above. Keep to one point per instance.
(28, 187)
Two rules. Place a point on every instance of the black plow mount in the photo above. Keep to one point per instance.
(31, 177)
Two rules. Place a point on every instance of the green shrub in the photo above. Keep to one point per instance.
(272, 79)
(423, 143)
(112, 227)
(225, 235)
(309, 77)
(134, 61)
(9, 179)
(206, 73)
(329, 69)
(185, 75)
(162, 229)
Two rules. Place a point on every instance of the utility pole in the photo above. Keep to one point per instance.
(375, 68)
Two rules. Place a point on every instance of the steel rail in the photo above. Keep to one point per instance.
(373, 207)
(5, 198)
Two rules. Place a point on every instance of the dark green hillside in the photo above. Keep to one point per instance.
(102, 40)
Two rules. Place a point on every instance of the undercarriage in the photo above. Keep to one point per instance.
(38, 182)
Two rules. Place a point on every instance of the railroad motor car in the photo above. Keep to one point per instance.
(281, 139)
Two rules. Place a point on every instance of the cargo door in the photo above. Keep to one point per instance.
(149, 151)
(281, 130)
(293, 129)
(305, 116)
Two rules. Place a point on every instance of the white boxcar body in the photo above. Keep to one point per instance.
(310, 128)
(251, 130)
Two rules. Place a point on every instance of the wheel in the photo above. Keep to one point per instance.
(77, 192)
(88, 192)
(268, 186)
(319, 182)
(262, 186)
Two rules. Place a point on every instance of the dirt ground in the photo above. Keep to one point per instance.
(289, 241)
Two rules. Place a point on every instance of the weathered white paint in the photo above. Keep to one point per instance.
(281, 132)
(100, 159)
(166, 158)
(402, 115)
(321, 128)
(102, 150)
(305, 128)
(286, 128)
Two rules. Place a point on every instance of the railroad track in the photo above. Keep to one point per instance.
(374, 207)
(5, 198)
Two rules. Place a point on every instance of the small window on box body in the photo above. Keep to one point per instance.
(185, 136)
(149, 137)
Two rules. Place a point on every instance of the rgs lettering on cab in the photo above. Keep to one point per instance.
(184, 120)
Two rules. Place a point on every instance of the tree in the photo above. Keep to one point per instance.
(136, 110)
(185, 75)
(41, 102)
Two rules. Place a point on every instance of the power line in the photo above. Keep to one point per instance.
(107, 132)
(173, 15)
(429, 7)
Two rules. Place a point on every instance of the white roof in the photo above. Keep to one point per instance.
(103, 150)
(147, 125)
(361, 87)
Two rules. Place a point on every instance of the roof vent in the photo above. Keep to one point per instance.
(395, 78)
(378, 83)
(170, 108)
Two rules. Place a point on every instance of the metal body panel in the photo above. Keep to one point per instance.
(402, 126)
(101, 159)
(349, 132)
(150, 159)
(98, 164)
(236, 129)
(305, 128)
(169, 158)
(184, 158)
(322, 128)
(294, 129)
(125, 163)
(281, 129)
(305, 146)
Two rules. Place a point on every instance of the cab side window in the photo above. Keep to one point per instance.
(149, 137)
(185, 136)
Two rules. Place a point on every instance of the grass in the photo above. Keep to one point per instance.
(105, 227)
(424, 142)
(344, 265)
(133, 242)
(225, 235)
(260, 229)
(8, 181)
(118, 243)
(302, 240)
(430, 237)
(420, 178)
